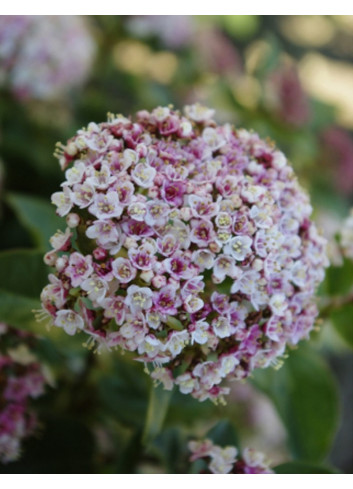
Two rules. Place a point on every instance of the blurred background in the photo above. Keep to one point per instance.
(290, 78)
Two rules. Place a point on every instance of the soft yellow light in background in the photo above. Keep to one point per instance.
(331, 82)
(162, 66)
(308, 30)
(345, 22)
(138, 59)
(255, 53)
(247, 89)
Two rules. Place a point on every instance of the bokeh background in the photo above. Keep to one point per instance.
(290, 78)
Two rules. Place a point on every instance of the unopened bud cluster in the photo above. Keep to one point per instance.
(188, 243)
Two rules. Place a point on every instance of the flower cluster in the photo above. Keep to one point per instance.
(227, 461)
(43, 56)
(187, 243)
(21, 379)
(347, 237)
(286, 97)
(174, 31)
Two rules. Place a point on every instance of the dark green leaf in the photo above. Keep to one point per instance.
(223, 434)
(158, 405)
(17, 310)
(38, 216)
(171, 448)
(303, 468)
(305, 395)
(124, 393)
(23, 272)
(342, 320)
(131, 454)
(185, 409)
(339, 280)
(65, 446)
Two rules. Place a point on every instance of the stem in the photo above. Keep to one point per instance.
(156, 412)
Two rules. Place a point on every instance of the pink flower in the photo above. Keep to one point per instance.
(80, 268)
(194, 247)
(123, 270)
(106, 206)
(166, 301)
(143, 257)
(173, 192)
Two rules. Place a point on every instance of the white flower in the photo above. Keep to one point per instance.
(239, 247)
(69, 320)
(138, 298)
(75, 174)
(186, 383)
(96, 288)
(222, 327)
(151, 345)
(63, 201)
(177, 342)
(193, 303)
(261, 217)
(252, 193)
(246, 283)
(130, 157)
(143, 175)
(199, 113)
(222, 459)
(212, 138)
(199, 333)
(203, 258)
(278, 304)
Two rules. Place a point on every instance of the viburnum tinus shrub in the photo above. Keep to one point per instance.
(43, 56)
(188, 243)
(22, 379)
(227, 460)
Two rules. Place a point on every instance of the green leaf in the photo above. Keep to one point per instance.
(156, 412)
(17, 310)
(339, 280)
(305, 395)
(171, 448)
(23, 272)
(187, 410)
(124, 392)
(131, 455)
(342, 320)
(223, 434)
(303, 468)
(38, 216)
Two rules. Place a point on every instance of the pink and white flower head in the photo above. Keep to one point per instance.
(192, 249)
(42, 57)
(227, 460)
(22, 380)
